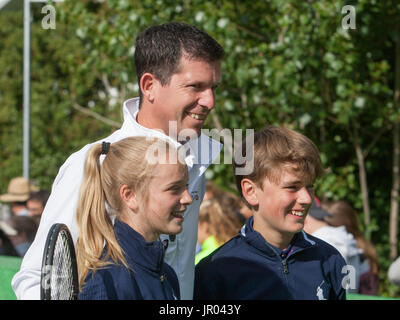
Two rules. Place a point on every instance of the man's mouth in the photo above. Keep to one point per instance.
(197, 116)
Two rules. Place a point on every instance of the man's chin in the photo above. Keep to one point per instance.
(189, 134)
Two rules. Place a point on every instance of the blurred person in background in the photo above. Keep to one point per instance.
(6, 246)
(316, 224)
(342, 214)
(18, 193)
(36, 202)
(228, 201)
(394, 272)
(217, 224)
(26, 229)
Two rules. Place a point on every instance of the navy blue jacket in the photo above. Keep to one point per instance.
(248, 267)
(147, 278)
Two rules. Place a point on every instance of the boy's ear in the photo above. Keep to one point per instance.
(129, 197)
(148, 84)
(249, 191)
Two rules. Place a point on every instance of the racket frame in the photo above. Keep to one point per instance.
(48, 258)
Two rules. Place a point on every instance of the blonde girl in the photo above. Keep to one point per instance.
(125, 203)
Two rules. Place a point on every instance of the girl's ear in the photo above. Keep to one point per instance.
(249, 191)
(129, 197)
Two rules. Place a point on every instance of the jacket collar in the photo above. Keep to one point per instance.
(149, 255)
(300, 241)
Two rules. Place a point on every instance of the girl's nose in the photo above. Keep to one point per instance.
(186, 198)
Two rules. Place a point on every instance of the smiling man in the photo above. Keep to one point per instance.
(178, 69)
(272, 257)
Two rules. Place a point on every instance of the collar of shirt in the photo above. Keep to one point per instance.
(202, 151)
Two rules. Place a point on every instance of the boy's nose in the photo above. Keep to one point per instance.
(306, 196)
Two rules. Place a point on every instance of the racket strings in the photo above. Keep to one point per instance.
(63, 287)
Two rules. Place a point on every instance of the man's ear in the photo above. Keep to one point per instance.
(129, 197)
(249, 191)
(148, 83)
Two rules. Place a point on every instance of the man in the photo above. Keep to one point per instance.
(178, 69)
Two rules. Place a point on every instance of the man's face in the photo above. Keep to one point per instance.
(188, 98)
(283, 205)
(35, 207)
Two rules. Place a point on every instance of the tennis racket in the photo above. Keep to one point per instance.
(59, 278)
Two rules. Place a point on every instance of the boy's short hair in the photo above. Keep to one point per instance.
(275, 150)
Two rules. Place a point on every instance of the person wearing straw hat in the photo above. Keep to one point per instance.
(17, 194)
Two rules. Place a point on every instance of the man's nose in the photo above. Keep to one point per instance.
(207, 99)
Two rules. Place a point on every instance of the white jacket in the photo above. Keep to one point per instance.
(61, 206)
(345, 243)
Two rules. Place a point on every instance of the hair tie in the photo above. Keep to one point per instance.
(105, 147)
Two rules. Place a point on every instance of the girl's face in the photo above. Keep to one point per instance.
(168, 197)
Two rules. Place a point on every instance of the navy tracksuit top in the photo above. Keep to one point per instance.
(248, 267)
(147, 278)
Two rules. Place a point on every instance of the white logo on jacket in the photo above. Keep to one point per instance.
(320, 291)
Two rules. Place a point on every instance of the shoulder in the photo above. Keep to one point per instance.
(110, 282)
(320, 245)
(229, 248)
(340, 239)
(234, 249)
(325, 252)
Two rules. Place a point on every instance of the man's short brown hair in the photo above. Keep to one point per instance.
(276, 149)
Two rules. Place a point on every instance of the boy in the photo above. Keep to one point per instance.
(272, 257)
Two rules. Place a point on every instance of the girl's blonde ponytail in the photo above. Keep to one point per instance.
(94, 224)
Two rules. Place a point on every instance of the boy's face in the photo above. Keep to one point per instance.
(283, 205)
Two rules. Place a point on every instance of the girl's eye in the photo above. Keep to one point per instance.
(178, 189)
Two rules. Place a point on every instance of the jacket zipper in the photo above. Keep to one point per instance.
(163, 276)
(283, 256)
(285, 266)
